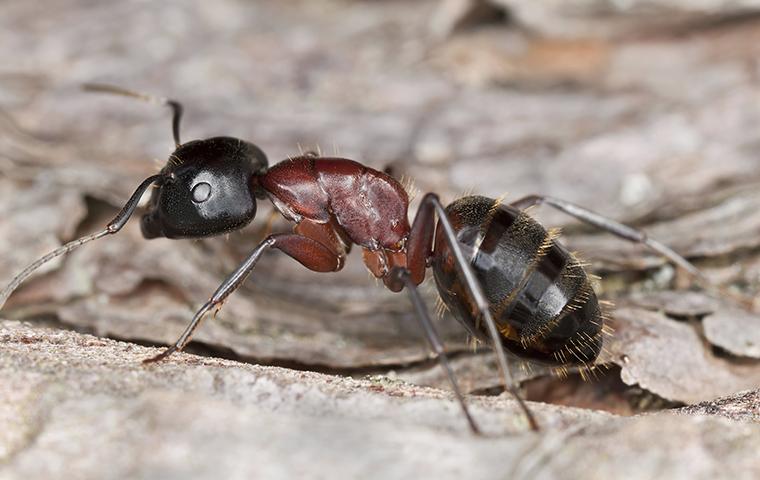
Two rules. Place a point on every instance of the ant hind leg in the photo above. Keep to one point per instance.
(431, 334)
(420, 240)
(633, 235)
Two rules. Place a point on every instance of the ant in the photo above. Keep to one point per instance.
(505, 278)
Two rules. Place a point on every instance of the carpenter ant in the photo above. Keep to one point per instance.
(505, 278)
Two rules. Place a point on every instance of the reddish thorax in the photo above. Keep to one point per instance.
(339, 202)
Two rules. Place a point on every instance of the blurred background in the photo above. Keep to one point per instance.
(643, 110)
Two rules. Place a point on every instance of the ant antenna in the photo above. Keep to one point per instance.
(113, 226)
(176, 107)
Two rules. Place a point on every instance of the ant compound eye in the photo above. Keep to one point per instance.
(201, 192)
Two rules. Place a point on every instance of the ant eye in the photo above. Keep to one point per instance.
(201, 192)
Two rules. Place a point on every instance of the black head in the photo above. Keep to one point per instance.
(207, 188)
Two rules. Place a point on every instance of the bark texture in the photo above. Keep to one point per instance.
(645, 111)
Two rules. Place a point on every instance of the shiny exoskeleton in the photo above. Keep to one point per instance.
(539, 295)
(503, 276)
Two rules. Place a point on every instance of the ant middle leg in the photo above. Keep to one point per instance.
(420, 246)
(309, 252)
(631, 234)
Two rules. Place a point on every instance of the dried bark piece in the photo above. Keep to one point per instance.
(70, 396)
(652, 446)
(677, 303)
(725, 324)
(72, 361)
(610, 18)
(669, 359)
(741, 407)
(735, 330)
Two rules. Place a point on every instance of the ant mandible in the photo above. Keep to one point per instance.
(505, 278)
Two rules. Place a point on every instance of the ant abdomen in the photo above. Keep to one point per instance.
(538, 293)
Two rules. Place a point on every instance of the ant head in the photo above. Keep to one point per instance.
(206, 188)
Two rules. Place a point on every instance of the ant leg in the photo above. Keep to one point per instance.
(423, 228)
(310, 253)
(176, 107)
(402, 275)
(611, 226)
(628, 233)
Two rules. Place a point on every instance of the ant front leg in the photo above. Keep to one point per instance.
(309, 252)
(420, 249)
(631, 234)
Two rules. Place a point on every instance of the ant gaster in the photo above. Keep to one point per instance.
(505, 278)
